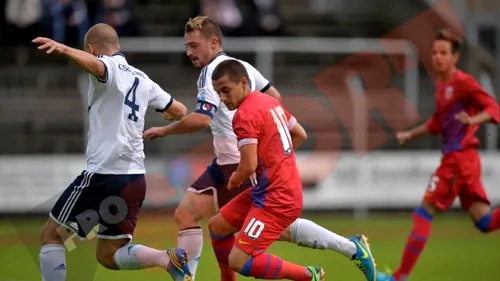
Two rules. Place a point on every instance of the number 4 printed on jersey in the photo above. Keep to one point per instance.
(130, 101)
(281, 121)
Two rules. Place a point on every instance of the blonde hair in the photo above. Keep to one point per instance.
(205, 25)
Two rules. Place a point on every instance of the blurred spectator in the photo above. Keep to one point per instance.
(69, 21)
(93, 7)
(266, 13)
(119, 14)
(22, 21)
(227, 14)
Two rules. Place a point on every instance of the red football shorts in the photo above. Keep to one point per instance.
(458, 175)
(259, 226)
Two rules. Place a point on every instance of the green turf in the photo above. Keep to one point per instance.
(455, 252)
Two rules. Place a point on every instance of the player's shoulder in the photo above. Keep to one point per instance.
(115, 58)
(464, 77)
(256, 103)
(220, 57)
(263, 100)
(250, 105)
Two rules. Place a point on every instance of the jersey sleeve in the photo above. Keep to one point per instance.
(207, 99)
(110, 70)
(158, 98)
(247, 127)
(474, 93)
(261, 83)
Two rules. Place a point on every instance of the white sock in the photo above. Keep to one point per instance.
(53, 262)
(131, 257)
(308, 234)
(191, 240)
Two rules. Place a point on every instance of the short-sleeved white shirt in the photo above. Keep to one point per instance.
(116, 109)
(209, 103)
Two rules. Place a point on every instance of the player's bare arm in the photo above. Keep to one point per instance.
(476, 95)
(176, 111)
(299, 135)
(246, 167)
(86, 61)
(424, 129)
(482, 117)
(192, 123)
(273, 92)
(465, 118)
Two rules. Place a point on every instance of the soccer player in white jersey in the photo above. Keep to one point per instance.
(203, 40)
(111, 189)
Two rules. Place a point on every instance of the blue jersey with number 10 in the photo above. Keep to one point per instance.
(116, 109)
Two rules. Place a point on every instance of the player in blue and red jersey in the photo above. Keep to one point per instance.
(461, 106)
(267, 135)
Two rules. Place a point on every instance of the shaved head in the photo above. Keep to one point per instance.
(102, 39)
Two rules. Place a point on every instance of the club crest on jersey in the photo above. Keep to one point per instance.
(448, 92)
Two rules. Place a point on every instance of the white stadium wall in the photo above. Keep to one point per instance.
(388, 180)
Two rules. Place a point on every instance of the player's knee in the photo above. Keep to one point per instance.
(483, 224)
(286, 235)
(213, 226)
(49, 234)
(237, 261)
(106, 250)
(217, 227)
(105, 257)
(107, 261)
(426, 211)
(185, 218)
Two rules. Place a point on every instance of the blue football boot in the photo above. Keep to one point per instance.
(363, 258)
(381, 276)
(178, 267)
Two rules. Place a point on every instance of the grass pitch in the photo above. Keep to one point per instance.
(455, 252)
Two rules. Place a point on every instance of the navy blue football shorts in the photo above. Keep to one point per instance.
(111, 201)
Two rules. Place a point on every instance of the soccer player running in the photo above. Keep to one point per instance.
(111, 189)
(203, 40)
(461, 105)
(264, 130)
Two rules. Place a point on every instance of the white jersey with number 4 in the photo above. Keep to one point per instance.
(116, 109)
(209, 103)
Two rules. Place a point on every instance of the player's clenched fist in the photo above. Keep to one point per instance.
(154, 133)
(403, 137)
(49, 45)
(232, 183)
(464, 118)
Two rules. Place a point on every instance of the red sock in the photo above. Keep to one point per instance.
(266, 266)
(422, 222)
(222, 246)
(495, 220)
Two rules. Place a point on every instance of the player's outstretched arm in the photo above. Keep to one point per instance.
(86, 61)
(418, 131)
(194, 122)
